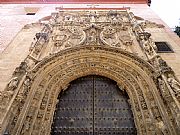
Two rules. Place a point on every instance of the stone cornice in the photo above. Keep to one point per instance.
(74, 1)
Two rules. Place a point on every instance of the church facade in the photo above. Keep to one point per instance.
(91, 71)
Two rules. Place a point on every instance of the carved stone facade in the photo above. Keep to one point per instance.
(79, 43)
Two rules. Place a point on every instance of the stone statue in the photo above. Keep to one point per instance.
(153, 44)
(21, 69)
(148, 49)
(174, 84)
(92, 36)
(13, 84)
(163, 65)
(38, 35)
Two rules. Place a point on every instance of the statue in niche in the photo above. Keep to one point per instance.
(92, 36)
(148, 49)
(174, 84)
(144, 37)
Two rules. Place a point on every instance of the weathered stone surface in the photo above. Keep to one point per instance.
(79, 43)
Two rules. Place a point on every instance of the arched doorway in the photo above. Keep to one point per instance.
(93, 105)
(53, 75)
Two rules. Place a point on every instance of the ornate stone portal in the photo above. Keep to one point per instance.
(79, 43)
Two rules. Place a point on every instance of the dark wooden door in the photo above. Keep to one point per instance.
(93, 105)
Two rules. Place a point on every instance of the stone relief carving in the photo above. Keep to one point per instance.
(174, 84)
(116, 19)
(163, 88)
(163, 71)
(163, 65)
(116, 36)
(66, 37)
(147, 44)
(149, 24)
(125, 38)
(5, 96)
(21, 69)
(109, 36)
(168, 86)
(84, 43)
(70, 29)
(161, 128)
(160, 65)
(40, 40)
(13, 84)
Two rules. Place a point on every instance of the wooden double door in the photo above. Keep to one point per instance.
(93, 105)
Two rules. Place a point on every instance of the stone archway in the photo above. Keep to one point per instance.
(54, 73)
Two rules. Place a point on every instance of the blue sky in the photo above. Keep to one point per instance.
(168, 11)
